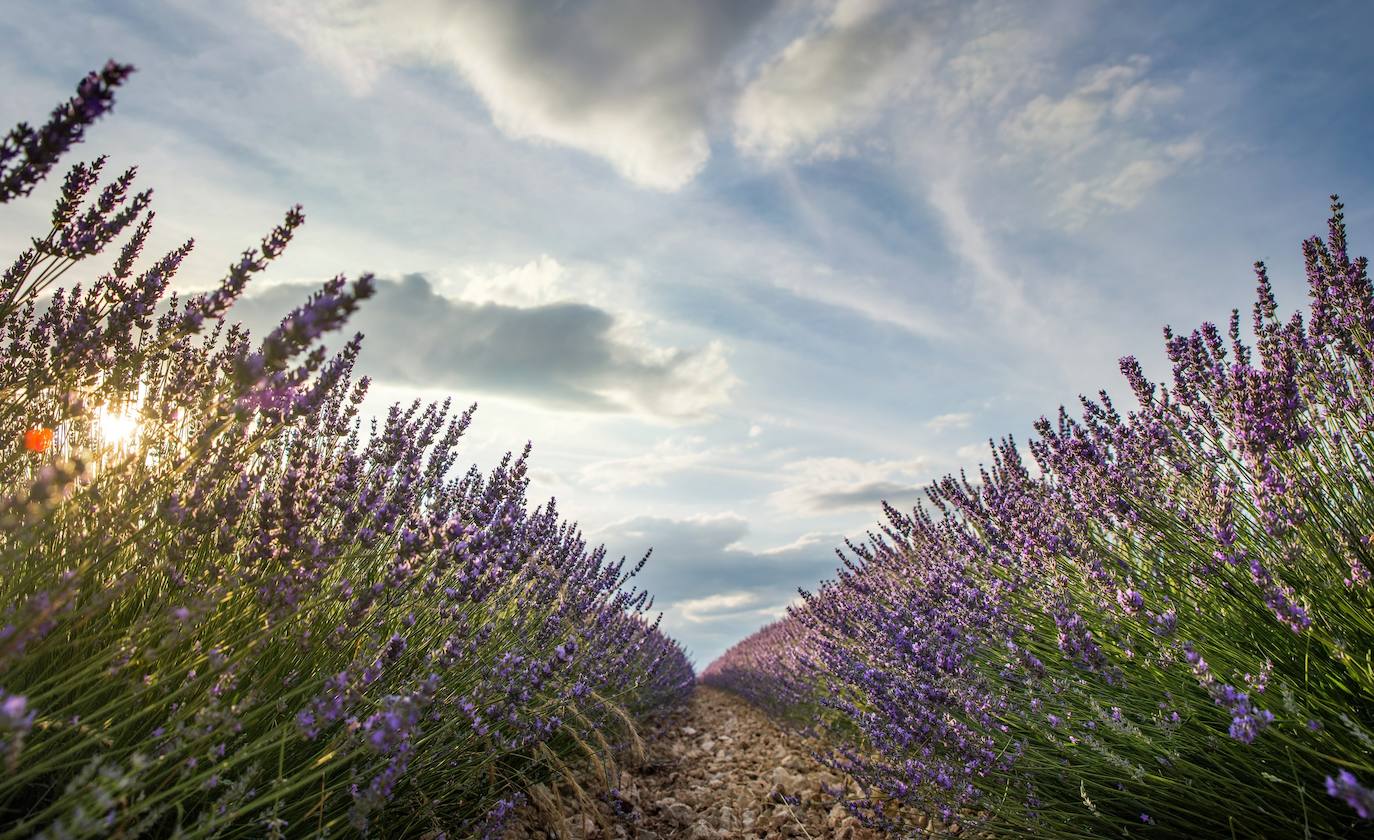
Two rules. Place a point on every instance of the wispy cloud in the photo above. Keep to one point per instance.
(1105, 99)
(998, 290)
(953, 420)
(1101, 145)
(1128, 186)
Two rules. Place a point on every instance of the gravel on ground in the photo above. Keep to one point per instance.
(719, 768)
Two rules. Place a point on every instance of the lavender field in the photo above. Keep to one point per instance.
(755, 534)
(1158, 623)
(231, 610)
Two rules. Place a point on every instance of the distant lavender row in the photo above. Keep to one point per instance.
(1165, 628)
(228, 610)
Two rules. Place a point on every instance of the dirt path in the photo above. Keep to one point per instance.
(718, 769)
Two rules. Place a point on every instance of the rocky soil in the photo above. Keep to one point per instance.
(717, 769)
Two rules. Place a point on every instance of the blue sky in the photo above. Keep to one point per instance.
(740, 269)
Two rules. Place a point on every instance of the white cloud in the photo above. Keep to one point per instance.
(832, 82)
(698, 610)
(647, 469)
(671, 458)
(953, 420)
(631, 81)
(991, 68)
(1126, 187)
(697, 381)
(821, 485)
(973, 453)
(732, 608)
(537, 282)
(1185, 150)
(807, 541)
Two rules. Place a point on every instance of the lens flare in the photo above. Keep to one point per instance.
(118, 428)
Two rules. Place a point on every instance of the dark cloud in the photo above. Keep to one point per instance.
(559, 354)
(633, 81)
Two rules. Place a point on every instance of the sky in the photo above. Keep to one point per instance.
(740, 269)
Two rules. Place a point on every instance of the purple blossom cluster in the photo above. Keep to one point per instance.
(230, 606)
(1160, 624)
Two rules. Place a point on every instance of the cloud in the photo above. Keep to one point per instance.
(827, 485)
(566, 355)
(715, 607)
(631, 81)
(1129, 185)
(668, 457)
(973, 453)
(1075, 122)
(953, 420)
(711, 589)
(1098, 140)
(731, 459)
(535, 283)
(991, 68)
(829, 84)
(1010, 134)
(994, 286)
(868, 494)
(703, 555)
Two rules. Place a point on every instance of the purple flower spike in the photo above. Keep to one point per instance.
(27, 155)
(1345, 786)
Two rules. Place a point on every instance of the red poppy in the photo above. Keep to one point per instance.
(38, 440)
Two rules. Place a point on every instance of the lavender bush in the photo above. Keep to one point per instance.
(226, 607)
(1163, 628)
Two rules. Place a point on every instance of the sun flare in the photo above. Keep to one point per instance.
(118, 428)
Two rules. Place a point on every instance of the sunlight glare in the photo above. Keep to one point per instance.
(117, 427)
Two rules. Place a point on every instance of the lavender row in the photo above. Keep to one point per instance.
(228, 607)
(1160, 624)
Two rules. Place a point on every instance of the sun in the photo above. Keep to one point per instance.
(118, 427)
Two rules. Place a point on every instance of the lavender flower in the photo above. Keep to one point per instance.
(16, 721)
(1346, 787)
(27, 155)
